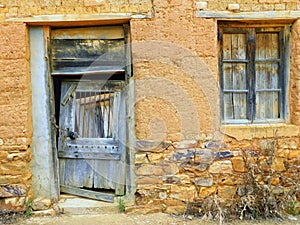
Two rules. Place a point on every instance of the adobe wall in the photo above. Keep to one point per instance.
(16, 8)
(15, 117)
(255, 5)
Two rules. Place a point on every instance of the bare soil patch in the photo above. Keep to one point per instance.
(151, 219)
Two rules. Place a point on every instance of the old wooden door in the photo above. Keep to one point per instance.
(91, 64)
(93, 157)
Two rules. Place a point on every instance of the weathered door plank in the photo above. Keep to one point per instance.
(88, 155)
(86, 193)
(93, 162)
(120, 187)
(77, 172)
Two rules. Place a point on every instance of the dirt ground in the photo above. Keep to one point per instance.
(124, 219)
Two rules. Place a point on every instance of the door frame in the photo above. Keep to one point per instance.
(45, 180)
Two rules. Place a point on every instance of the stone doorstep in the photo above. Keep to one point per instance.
(47, 212)
(70, 204)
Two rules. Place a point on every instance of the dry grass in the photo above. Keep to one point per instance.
(259, 198)
(9, 217)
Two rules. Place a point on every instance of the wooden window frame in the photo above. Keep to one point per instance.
(250, 30)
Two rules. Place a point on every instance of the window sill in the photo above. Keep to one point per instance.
(270, 15)
(250, 131)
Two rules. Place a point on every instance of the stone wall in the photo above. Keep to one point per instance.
(172, 175)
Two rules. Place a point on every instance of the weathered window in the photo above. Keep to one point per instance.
(252, 73)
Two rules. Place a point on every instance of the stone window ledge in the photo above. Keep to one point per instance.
(265, 15)
(250, 131)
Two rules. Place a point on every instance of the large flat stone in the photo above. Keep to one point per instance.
(221, 167)
(187, 144)
(176, 179)
(194, 167)
(227, 192)
(149, 170)
(151, 146)
(204, 181)
(69, 204)
(183, 155)
(41, 204)
(213, 145)
(15, 204)
(238, 164)
(203, 156)
(192, 155)
(12, 190)
(230, 179)
(48, 212)
(223, 155)
(169, 168)
(183, 193)
(148, 180)
(207, 191)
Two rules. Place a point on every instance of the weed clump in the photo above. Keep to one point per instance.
(271, 188)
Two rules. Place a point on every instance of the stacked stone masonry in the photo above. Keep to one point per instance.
(175, 70)
(188, 171)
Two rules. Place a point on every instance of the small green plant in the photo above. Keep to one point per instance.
(121, 205)
(28, 209)
(292, 209)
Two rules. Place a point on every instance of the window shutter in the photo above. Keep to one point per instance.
(267, 63)
(234, 67)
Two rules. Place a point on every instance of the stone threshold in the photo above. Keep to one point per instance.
(74, 205)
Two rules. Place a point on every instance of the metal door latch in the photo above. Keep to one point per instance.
(71, 134)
